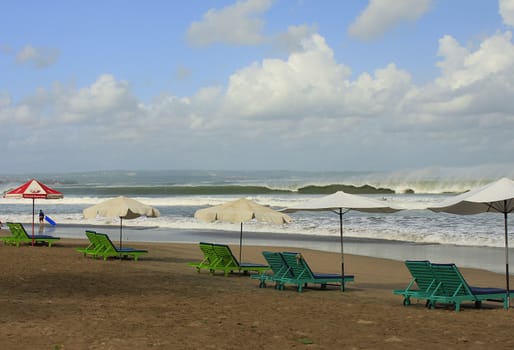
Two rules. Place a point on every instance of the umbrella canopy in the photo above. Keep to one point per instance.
(239, 211)
(495, 197)
(33, 189)
(340, 203)
(122, 207)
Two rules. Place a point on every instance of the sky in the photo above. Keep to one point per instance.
(375, 85)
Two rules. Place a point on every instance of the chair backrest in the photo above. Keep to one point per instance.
(105, 242)
(93, 238)
(208, 252)
(452, 283)
(18, 230)
(14, 229)
(24, 232)
(225, 256)
(91, 235)
(278, 265)
(206, 248)
(297, 265)
(421, 271)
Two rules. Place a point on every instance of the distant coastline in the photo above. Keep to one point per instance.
(177, 190)
(220, 182)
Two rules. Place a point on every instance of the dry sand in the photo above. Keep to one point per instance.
(55, 298)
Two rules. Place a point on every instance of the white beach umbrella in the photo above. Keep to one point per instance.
(495, 197)
(341, 203)
(122, 207)
(239, 211)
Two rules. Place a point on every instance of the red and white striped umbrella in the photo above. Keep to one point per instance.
(33, 189)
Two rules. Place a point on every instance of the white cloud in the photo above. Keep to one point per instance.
(281, 89)
(104, 96)
(104, 110)
(308, 102)
(381, 16)
(373, 95)
(311, 84)
(462, 68)
(237, 24)
(472, 95)
(507, 11)
(454, 54)
(38, 57)
(291, 41)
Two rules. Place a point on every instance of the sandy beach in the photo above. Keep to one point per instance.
(55, 298)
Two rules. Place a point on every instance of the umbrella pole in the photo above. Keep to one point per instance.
(33, 205)
(241, 244)
(506, 255)
(342, 252)
(121, 225)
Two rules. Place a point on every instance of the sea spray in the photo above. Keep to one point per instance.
(178, 194)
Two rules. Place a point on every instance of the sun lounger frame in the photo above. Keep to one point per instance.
(448, 286)
(422, 284)
(302, 274)
(20, 235)
(95, 247)
(100, 245)
(219, 257)
(210, 259)
(453, 289)
(279, 270)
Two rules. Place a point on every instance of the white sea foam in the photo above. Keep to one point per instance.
(413, 225)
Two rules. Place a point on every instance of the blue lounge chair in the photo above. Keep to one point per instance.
(302, 274)
(453, 289)
(279, 270)
(422, 284)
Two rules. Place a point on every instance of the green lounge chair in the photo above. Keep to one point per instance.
(228, 263)
(108, 249)
(19, 236)
(303, 275)
(422, 284)
(453, 289)
(95, 247)
(13, 238)
(210, 258)
(279, 270)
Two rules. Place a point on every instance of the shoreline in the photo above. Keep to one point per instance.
(487, 258)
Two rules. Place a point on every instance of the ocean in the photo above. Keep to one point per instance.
(178, 194)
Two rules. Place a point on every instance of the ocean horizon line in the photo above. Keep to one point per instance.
(212, 182)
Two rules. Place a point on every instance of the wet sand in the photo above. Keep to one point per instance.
(487, 258)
